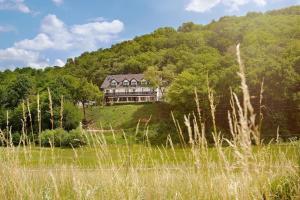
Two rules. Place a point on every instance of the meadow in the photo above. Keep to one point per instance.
(134, 155)
(132, 171)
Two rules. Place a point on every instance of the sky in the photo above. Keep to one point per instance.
(41, 33)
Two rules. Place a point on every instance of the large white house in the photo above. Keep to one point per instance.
(129, 88)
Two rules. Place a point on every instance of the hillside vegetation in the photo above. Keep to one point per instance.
(187, 58)
(128, 116)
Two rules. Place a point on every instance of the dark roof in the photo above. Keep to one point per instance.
(120, 78)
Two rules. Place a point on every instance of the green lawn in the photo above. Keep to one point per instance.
(128, 116)
(135, 154)
(91, 157)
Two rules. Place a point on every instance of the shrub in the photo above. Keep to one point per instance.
(2, 118)
(16, 137)
(62, 138)
(5, 140)
(74, 139)
(72, 116)
(158, 133)
(51, 137)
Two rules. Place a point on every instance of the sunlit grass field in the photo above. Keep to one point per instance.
(139, 171)
(136, 155)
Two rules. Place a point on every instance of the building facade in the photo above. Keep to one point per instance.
(128, 88)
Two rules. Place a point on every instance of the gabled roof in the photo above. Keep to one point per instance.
(120, 78)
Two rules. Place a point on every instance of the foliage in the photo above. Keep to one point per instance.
(62, 138)
(85, 93)
(270, 46)
(71, 117)
(19, 97)
(181, 61)
(17, 90)
(16, 138)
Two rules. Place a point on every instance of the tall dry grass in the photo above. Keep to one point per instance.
(240, 171)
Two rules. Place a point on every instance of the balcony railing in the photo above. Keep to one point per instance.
(120, 94)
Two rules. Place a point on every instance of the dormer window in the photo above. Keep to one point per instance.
(143, 82)
(113, 83)
(125, 83)
(133, 82)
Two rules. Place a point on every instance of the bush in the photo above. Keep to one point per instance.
(62, 138)
(16, 137)
(2, 118)
(158, 134)
(74, 139)
(72, 116)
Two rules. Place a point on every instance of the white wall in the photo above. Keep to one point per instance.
(123, 89)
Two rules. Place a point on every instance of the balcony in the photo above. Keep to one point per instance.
(123, 94)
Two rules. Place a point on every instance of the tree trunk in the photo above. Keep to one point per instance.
(83, 108)
(84, 121)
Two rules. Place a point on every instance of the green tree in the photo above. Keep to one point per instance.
(85, 93)
(161, 78)
(71, 116)
(17, 91)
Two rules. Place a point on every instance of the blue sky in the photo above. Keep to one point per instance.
(41, 33)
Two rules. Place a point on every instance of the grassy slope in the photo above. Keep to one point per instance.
(128, 116)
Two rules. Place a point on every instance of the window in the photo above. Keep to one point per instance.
(113, 83)
(125, 83)
(133, 82)
(107, 91)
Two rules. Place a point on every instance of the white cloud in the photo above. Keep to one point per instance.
(261, 2)
(206, 5)
(235, 4)
(57, 32)
(201, 5)
(89, 35)
(17, 54)
(58, 2)
(113, 27)
(21, 57)
(40, 42)
(50, 23)
(59, 62)
(57, 37)
(79, 36)
(17, 5)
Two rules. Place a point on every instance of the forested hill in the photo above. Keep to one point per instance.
(270, 48)
(269, 34)
(184, 57)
